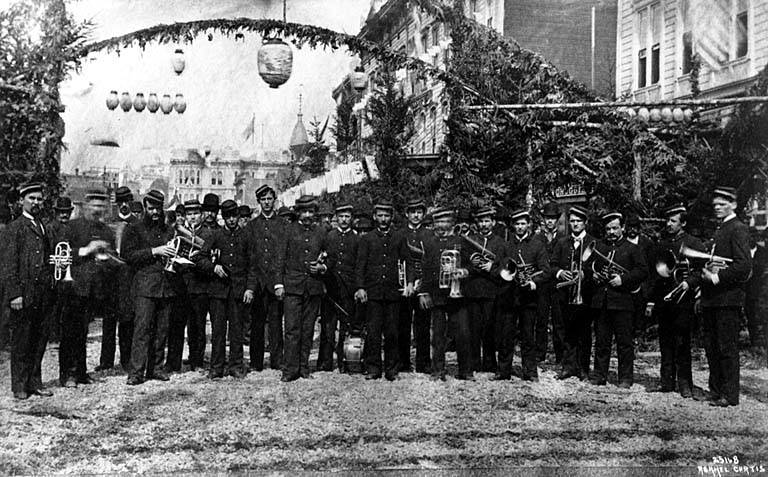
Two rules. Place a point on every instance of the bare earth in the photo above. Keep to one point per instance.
(342, 422)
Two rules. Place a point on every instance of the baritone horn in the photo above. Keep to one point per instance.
(62, 262)
(185, 245)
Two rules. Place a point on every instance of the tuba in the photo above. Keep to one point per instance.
(62, 262)
(450, 273)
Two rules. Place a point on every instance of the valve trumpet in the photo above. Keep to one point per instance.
(62, 262)
(577, 267)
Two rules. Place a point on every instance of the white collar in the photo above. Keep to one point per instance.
(29, 216)
(270, 216)
(635, 240)
(730, 217)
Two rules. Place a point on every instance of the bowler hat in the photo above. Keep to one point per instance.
(229, 208)
(210, 203)
(63, 203)
(123, 194)
(244, 211)
(551, 209)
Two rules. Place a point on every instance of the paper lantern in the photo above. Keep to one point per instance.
(112, 100)
(153, 104)
(275, 62)
(125, 102)
(643, 114)
(139, 103)
(178, 61)
(630, 112)
(359, 79)
(677, 115)
(166, 105)
(666, 115)
(180, 104)
(688, 114)
(655, 114)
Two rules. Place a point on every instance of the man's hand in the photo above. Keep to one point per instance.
(461, 273)
(94, 246)
(697, 306)
(409, 290)
(361, 296)
(279, 292)
(615, 282)
(649, 309)
(317, 268)
(532, 285)
(17, 303)
(248, 297)
(220, 272)
(486, 267)
(567, 275)
(425, 301)
(165, 251)
(708, 276)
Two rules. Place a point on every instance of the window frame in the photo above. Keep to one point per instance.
(649, 48)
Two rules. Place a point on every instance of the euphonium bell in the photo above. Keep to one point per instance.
(509, 271)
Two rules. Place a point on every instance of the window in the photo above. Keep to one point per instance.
(649, 31)
(425, 40)
(742, 28)
(198, 177)
(472, 6)
(435, 34)
(213, 178)
(179, 176)
(221, 178)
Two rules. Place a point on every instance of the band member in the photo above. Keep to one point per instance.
(137, 210)
(464, 222)
(619, 269)
(28, 285)
(483, 287)
(58, 227)
(303, 264)
(532, 264)
(338, 305)
(376, 277)
(722, 294)
(648, 247)
(266, 232)
(210, 211)
(573, 298)
(673, 304)
(245, 215)
(410, 312)
(120, 322)
(549, 309)
(757, 297)
(180, 309)
(231, 290)
(287, 214)
(147, 247)
(324, 216)
(90, 290)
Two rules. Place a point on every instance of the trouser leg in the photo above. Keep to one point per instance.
(506, 342)
(421, 325)
(236, 310)
(310, 308)
(257, 327)
(125, 334)
(108, 340)
(527, 317)
(668, 345)
(475, 311)
(625, 350)
(604, 339)
(541, 332)
(292, 350)
(404, 325)
(196, 335)
(328, 321)
(392, 333)
(457, 313)
(274, 310)
(723, 353)
(218, 334)
(439, 338)
(375, 323)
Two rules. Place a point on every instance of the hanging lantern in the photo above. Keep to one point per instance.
(643, 114)
(125, 101)
(359, 79)
(180, 105)
(153, 104)
(630, 113)
(666, 115)
(178, 61)
(275, 61)
(677, 115)
(166, 105)
(139, 103)
(688, 114)
(655, 114)
(112, 100)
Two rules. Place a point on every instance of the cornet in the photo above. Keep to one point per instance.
(524, 271)
(402, 277)
(577, 267)
(609, 267)
(62, 260)
(483, 255)
(451, 272)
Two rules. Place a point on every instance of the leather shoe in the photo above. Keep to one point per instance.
(464, 377)
(597, 382)
(287, 379)
(70, 383)
(390, 376)
(625, 384)
(438, 377)
(501, 377)
(237, 374)
(41, 392)
(102, 367)
(722, 402)
(566, 374)
(160, 376)
(134, 381)
(662, 389)
(215, 374)
(685, 392)
(533, 379)
(20, 395)
(85, 380)
(701, 395)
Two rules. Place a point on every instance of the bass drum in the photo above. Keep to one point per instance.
(353, 354)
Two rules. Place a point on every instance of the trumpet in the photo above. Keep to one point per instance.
(402, 278)
(577, 267)
(62, 262)
(451, 272)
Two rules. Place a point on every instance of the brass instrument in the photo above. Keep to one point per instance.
(402, 277)
(353, 352)
(185, 245)
(713, 263)
(483, 255)
(609, 267)
(509, 271)
(577, 267)
(450, 272)
(669, 266)
(525, 271)
(417, 255)
(62, 262)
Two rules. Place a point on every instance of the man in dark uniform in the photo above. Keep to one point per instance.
(464, 222)
(722, 294)
(324, 216)
(483, 287)
(29, 284)
(58, 227)
(287, 214)
(574, 299)
(266, 232)
(549, 310)
(120, 322)
(302, 264)
(231, 290)
(339, 303)
(245, 215)
(441, 294)
(532, 261)
(376, 278)
(180, 309)
(675, 310)
(410, 312)
(147, 249)
(648, 247)
(756, 290)
(210, 211)
(93, 277)
(612, 301)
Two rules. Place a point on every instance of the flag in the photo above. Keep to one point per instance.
(250, 130)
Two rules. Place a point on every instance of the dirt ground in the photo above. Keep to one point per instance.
(342, 422)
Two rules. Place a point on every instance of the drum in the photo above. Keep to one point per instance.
(353, 353)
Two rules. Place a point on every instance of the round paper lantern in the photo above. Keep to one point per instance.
(666, 115)
(677, 115)
(125, 101)
(655, 114)
(688, 114)
(643, 114)
(153, 104)
(139, 103)
(178, 61)
(112, 100)
(359, 79)
(630, 112)
(166, 105)
(180, 104)
(275, 62)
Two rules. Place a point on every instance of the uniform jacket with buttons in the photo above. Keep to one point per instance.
(91, 277)
(629, 256)
(377, 264)
(235, 256)
(266, 236)
(151, 280)
(482, 284)
(303, 245)
(533, 251)
(434, 248)
(415, 238)
(26, 252)
(731, 240)
(342, 254)
(565, 256)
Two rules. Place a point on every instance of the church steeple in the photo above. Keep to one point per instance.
(299, 139)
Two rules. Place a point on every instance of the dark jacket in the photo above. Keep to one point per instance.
(731, 240)
(235, 255)
(434, 247)
(91, 277)
(303, 245)
(342, 255)
(564, 256)
(196, 280)
(629, 256)
(151, 280)
(27, 273)
(757, 282)
(415, 238)
(377, 258)
(533, 251)
(267, 239)
(662, 286)
(123, 288)
(482, 284)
